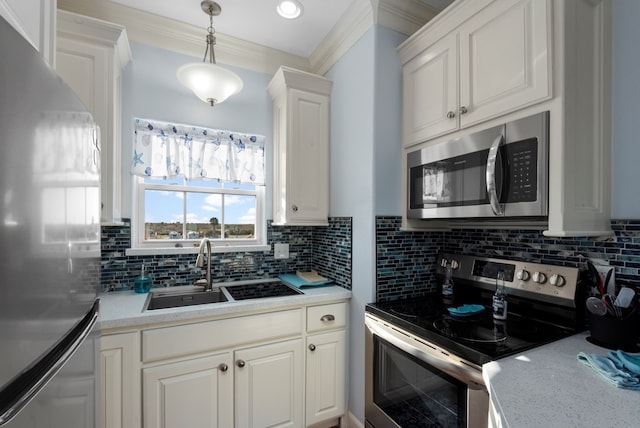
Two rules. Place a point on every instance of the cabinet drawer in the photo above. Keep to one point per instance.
(169, 342)
(326, 317)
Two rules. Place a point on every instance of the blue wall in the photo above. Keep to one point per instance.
(626, 93)
(365, 172)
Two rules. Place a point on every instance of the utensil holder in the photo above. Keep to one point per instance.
(614, 333)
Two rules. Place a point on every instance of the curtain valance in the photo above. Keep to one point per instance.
(164, 150)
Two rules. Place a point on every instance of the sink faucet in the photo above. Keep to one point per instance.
(200, 261)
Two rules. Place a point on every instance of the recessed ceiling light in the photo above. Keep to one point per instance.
(289, 9)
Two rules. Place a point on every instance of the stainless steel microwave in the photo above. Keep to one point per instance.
(500, 172)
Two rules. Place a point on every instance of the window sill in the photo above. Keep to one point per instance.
(194, 250)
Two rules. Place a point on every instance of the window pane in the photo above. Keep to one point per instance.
(163, 214)
(240, 216)
(204, 215)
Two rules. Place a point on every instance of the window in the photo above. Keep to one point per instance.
(193, 183)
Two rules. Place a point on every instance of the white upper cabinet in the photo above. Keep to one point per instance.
(482, 63)
(492, 63)
(91, 56)
(301, 148)
(36, 21)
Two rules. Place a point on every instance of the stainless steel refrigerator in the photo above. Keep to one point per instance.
(49, 245)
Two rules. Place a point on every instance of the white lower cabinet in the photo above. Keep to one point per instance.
(268, 385)
(281, 369)
(120, 380)
(326, 376)
(192, 393)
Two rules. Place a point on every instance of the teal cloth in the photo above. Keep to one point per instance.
(619, 368)
(295, 281)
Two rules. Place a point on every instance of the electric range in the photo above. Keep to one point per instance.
(424, 356)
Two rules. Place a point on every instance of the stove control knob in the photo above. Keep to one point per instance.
(454, 264)
(539, 277)
(557, 280)
(523, 275)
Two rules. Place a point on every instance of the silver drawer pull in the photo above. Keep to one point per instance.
(327, 318)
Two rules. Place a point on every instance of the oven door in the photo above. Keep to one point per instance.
(410, 383)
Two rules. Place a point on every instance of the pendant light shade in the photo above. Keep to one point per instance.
(210, 82)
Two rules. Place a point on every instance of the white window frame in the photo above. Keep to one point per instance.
(190, 246)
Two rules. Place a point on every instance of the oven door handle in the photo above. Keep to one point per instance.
(470, 376)
(490, 176)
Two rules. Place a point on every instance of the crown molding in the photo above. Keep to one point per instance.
(404, 16)
(153, 30)
(357, 19)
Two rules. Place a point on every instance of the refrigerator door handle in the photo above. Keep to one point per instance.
(27, 384)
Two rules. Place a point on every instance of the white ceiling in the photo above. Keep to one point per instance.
(257, 20)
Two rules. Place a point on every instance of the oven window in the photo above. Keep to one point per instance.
(414, 394)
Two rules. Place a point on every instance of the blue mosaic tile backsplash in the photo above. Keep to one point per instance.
(324, 249)
(405, 260)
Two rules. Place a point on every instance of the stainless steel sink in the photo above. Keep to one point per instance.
(174, 299)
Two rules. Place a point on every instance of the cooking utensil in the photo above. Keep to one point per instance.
(611, 307)
(624, 297)
(609, 286)
(596, 280)
(596, 306)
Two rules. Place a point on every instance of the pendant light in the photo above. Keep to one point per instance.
(210, 82)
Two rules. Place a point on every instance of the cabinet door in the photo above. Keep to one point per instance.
(326, 373)
(307, 159)
(192, 393)
(268, 385)
(430, 92)
(504, 59)
(120, 380)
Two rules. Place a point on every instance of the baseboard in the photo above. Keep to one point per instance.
(350, 421)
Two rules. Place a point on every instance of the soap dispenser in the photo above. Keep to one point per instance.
(447, 284)
(500, 298)
(142, 284)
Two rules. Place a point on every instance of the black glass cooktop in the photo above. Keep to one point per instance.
(478, 338)
(261, 290)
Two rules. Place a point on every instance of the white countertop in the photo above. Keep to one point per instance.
(548, 387)
(120, 309)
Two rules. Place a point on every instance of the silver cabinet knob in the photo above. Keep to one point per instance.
(463, 110)
(240, 363)
(327, 318)
(557, 280)
(223, 367)
(450, 115)
(523, 275)
(312, 347)
(294, 208)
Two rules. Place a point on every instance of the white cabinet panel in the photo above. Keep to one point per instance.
(191, 393)
(504, 59)
(120, 380)
(430, 92)
(268, 385)
(326, 376)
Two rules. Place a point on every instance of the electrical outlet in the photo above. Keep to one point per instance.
(281, 251)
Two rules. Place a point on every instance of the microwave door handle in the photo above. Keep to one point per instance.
(492, 190)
